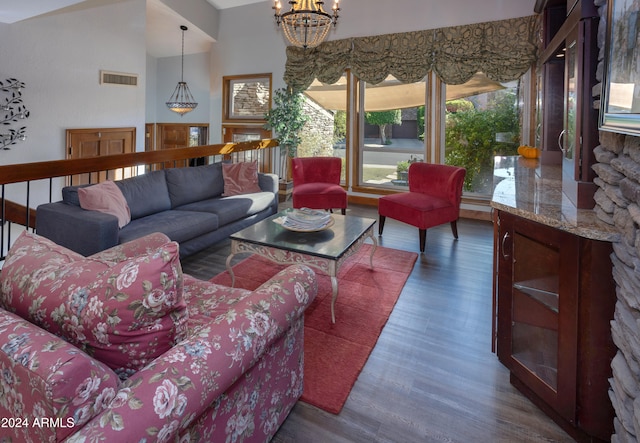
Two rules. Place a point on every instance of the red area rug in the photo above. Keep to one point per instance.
(336, 353)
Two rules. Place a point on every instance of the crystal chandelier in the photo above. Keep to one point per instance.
(306, 25)
(181, 101)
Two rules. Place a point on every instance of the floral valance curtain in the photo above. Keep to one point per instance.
(503, 50)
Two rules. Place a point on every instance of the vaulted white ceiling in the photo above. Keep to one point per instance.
(12, 11)
(160, 18)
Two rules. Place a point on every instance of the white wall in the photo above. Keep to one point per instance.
(196, 75)
(151, 88)
(59, 56)
(200, 13)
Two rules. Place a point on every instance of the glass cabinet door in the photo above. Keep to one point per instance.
(534, 334)
(538, 310)
(571, 141)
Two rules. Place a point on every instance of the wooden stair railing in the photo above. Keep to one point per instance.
(13, 212)
(16, 213)
(61, 168)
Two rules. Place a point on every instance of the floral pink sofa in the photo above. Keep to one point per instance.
(149, 354)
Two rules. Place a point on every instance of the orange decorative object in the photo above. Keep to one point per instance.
(528, 151)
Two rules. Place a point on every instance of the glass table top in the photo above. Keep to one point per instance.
(330, 243)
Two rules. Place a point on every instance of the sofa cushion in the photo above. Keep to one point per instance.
(188, 185)
(70, 194)
(124, 314)
(44, 376)
(105, 197)
(230, 209)
(240, 178)
(146, 194)
(178, 225)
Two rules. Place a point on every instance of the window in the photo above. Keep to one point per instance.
(393, 132)
(472, 123)
(246, 98)
(481, 121)
(325, 133)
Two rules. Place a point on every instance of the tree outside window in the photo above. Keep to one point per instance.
(476, 130)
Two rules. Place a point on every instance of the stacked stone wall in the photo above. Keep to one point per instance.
(618, 204)
(250, 99)
(317, 134)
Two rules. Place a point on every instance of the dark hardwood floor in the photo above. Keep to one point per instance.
(432, 376)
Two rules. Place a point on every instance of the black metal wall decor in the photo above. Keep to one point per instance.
(13, 110)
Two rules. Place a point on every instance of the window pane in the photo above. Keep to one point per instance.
(478, 126)
(325, 132)
(393, 132)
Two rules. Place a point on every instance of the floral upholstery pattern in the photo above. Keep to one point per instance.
(234, 376)
(124, 313)
(44, 377)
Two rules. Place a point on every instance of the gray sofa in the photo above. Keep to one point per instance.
(186, 204)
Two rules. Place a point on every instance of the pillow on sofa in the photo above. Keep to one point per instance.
(105, 197)
(240, 178)
(124, 314)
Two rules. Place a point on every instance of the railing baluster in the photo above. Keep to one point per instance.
(3, 215)
(8, 237)
(28, 212)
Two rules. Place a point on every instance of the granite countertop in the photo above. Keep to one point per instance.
(527, 189)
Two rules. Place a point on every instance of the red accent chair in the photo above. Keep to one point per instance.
(316, 183)
(433, 199)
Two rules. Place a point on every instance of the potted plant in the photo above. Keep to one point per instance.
(402, 171)
(287, 119)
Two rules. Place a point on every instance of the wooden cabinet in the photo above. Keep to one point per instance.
(555, 299)
(567, 76)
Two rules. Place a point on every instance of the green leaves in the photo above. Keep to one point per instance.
(470, 136)
(287, 118)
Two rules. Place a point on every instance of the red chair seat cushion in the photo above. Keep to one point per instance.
(419, 210)
(319, 196)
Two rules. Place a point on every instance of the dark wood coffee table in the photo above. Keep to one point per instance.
(323, 250)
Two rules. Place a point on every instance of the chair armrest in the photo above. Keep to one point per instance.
(173, 390)
(268, 182)
(82, 231)
(441, 181)
(133, 248)
(47, 376)
(455, 185)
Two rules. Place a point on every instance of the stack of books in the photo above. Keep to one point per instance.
(306, 219)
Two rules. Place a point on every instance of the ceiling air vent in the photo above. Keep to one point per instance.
(118, 78)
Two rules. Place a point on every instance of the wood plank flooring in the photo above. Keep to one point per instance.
(432, 376)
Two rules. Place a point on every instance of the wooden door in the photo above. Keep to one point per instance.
(149, 137)
(178, 135)
(96, 142)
